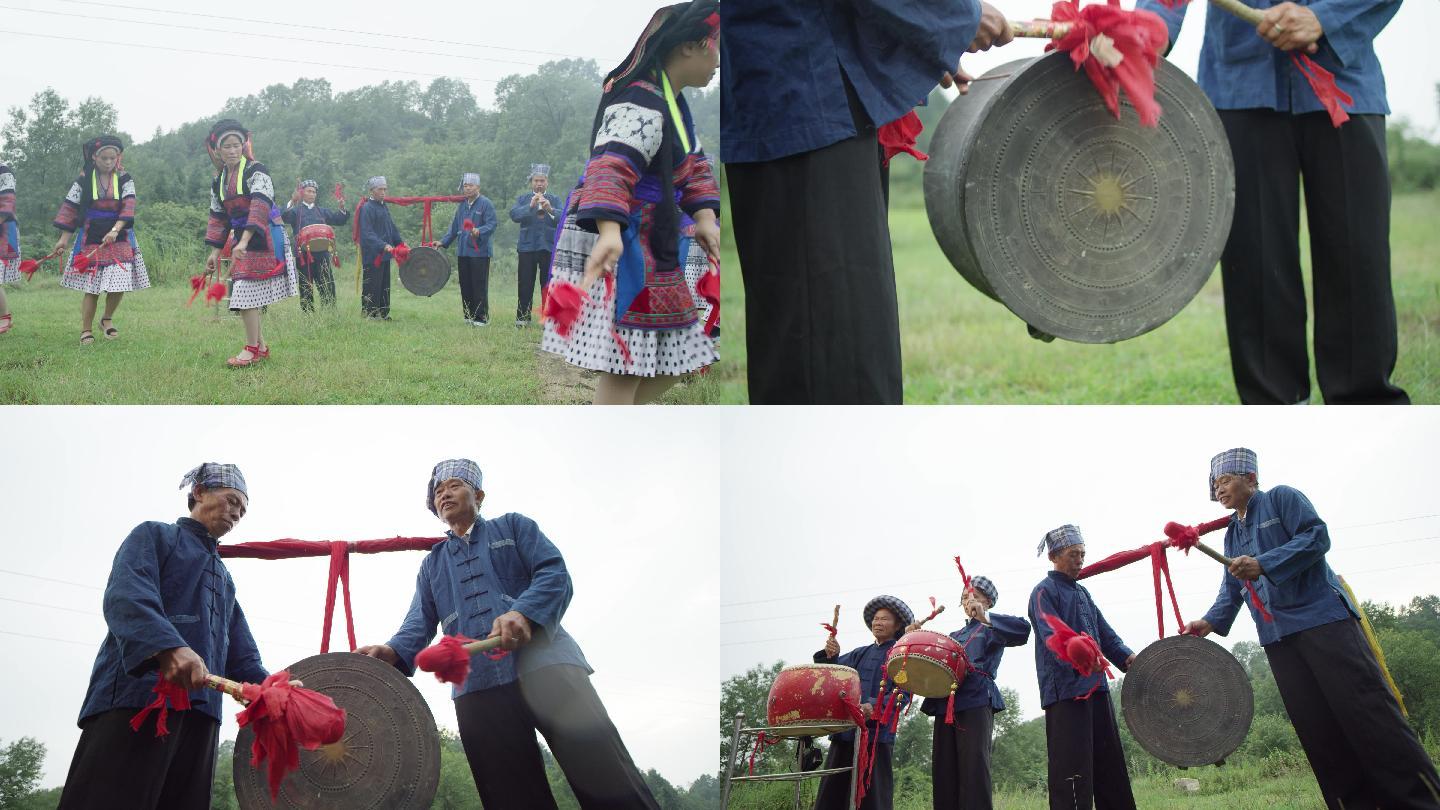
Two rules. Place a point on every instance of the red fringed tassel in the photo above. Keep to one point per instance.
(80, 263)
(1125, 58)
(1259, 606)
(339, 193)
(563, 304)
(1079, 650)
(1326, 90)
(964, 577)
(950, 709)
(830, 628)
(401, 253)
(285, 719)
(28, 267)
(165, 691)
(215, 294)
(709, 288)
(447, 659)
(197, 286)
(900, 136)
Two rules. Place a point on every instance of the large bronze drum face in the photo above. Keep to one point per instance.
(1187, 701)
(425, 272)
(1089, 228)
(389, 757)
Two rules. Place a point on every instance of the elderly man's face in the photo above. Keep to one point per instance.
(456, 500)
(307, 194)
(379, 192)
(539, 184)
(471, 190)
(218, 508)
(1233, 491)
(973, 597)
(884, 625)
(1069, 560)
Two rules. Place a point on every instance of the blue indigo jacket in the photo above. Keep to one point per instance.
(1059, 595)
(984, 646)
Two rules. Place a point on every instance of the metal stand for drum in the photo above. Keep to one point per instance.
(802, 745)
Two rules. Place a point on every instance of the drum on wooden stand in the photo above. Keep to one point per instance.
(810, 700)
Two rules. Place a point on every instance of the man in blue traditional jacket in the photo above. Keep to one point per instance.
(316, 268)
(1361, 749)
(503, 577)
(537, 213)
(171, 610)
(887, 617)
(1082, 740)
(378, 239)
(474, 253)
(1279, 134)
(960, 761)
(806, 84)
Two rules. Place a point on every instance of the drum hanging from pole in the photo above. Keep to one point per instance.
(425, 272)
(1187, 701)
(1088, 228)
(389, 757)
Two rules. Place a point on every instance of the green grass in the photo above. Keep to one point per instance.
(959, 346)
(169, 354)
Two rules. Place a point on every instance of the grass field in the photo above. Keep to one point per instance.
(961, 347)
(170, 354)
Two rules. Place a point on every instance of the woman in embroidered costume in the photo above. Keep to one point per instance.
(244, 219)
(105, 259)
(9, 242)
(640, 325)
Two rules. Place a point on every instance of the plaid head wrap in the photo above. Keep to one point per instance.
(211, 475)
(893, 604)
(985, 586)
(462, 468)
(1056, 539)
(310, 184)
(473, 178)
(539, 170)
(1238, 461)
(376, 182)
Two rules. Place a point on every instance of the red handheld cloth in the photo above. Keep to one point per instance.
(1118, 49)
(709, 288)
(563, 305)
(339, 192)
(900, 136)
(286, 718)
(165, 692)
(215, 294)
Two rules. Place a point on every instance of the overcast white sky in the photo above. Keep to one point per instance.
(634, 519)
(167, 72)
(852, 503)
(1406, 50)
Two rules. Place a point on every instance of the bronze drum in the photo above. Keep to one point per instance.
(1187, 701)
(1088, 228)
(388, 759)
(425, 272)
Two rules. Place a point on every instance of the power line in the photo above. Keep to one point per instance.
(50, 579)
(306, 40)
(325, 28)
(249, 617)
(213, 54)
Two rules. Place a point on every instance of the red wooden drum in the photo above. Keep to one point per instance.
(317, 238)
(813, 699)
(927, 664)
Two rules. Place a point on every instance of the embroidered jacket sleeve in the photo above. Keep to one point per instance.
(695, 178)
(133, 606)
(545, 601)
(242, 661)
(71, 214)
(217, 230)
(419, 626)
(1309, 539)
(127, 201)
(632, 131)
(7, 194)
(262, 199)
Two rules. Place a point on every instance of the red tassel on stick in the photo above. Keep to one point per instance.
(215, 294)
(950, 709)
(1326, 90)
(1079, 650)
(285, 719)
(401, 253)
(1118, 49)
(709, 288)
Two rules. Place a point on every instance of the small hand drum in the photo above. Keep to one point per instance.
(425, 272)
(810, 700)
(388, 758)
(1187, 701)
(927, 664)
(317, 238)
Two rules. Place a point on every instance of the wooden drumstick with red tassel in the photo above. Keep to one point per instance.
(938, 609)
